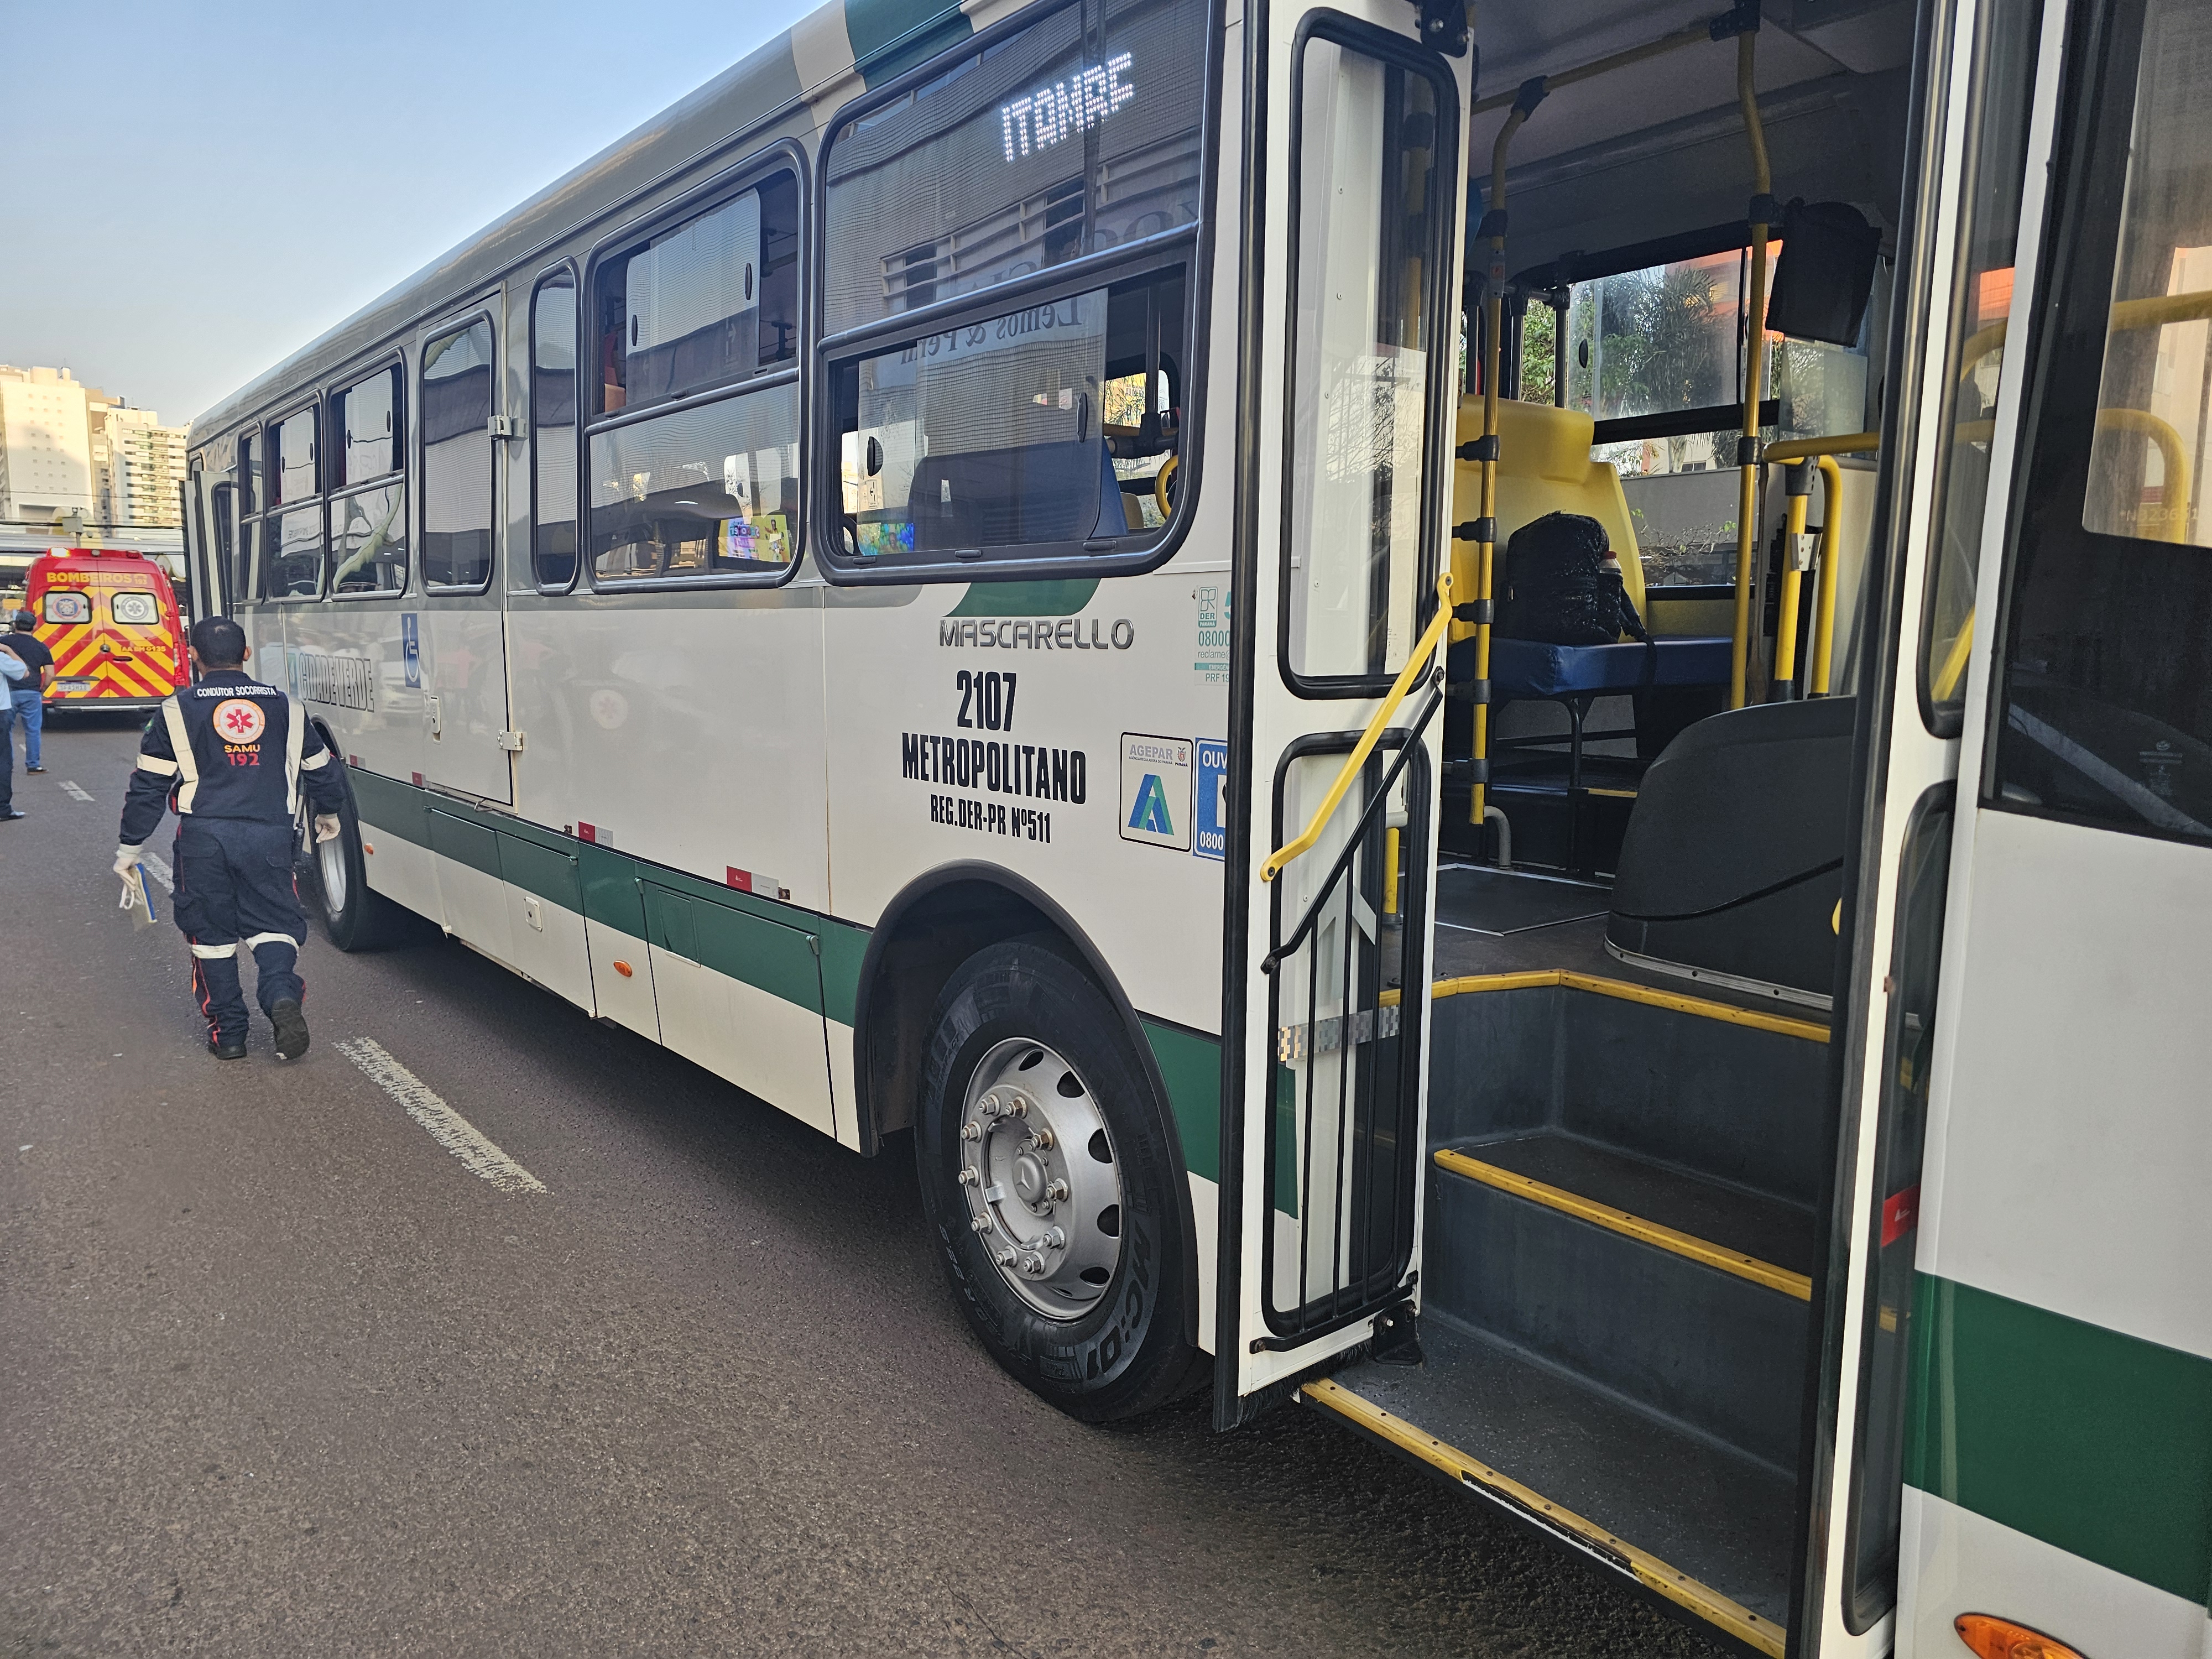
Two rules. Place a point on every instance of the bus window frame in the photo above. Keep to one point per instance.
(553, 276)
(1352, 34)
(454, 321)
(274, 509)
(726, 184)
(246, 577)
(1191, 247)
(2062, 369)
(335, 390)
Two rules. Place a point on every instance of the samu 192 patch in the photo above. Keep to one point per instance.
(239, 719)
(1155, 786)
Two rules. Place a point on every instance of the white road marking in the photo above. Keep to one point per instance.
(74, 792)
(448, 1126)
(158, 867)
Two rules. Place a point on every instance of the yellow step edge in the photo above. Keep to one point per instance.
(1629, 1226)
(1809, 1031)
(1709, 1604)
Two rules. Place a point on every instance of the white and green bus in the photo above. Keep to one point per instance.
(979, 578)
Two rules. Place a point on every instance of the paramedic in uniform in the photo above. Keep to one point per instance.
(232, 756)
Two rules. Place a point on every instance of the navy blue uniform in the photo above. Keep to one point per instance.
(231, 757)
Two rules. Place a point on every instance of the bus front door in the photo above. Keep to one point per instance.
(1348, 363)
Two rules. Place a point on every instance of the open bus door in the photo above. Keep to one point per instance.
(2011, 1450)
(1347, 368)
(205, 571)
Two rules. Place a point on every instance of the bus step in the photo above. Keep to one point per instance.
(1660, 1286)
(1704, 1528)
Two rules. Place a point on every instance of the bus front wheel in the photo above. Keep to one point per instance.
(1051, 1186)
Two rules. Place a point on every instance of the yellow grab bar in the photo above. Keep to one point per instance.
(1804, 449)
(1416, 666)
(2155, 311)
(1831, 536)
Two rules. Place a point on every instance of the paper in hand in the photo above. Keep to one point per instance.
(138, 898)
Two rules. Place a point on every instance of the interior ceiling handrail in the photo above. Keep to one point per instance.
(1416, 665)
(1717, 28)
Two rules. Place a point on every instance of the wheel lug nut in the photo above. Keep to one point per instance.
(971, 1131)
(1041, 1139)
(1054, 1239)
(969, 1177)
(981, 1224)
(1033, 1265)
(1005, 1258)
(1057, 1192)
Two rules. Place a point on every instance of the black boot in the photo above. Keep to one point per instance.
(223, 1046)
(291, 1029)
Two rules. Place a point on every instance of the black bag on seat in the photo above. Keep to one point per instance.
(1562, 585)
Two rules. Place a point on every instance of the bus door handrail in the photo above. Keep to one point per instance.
(1352, 842)
(1796, 451)
(1416, 666)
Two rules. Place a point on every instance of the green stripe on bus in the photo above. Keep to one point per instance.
(388, 805)
(1190, 1064)
(889, 37)
(1061, 598)
(2096, 1442)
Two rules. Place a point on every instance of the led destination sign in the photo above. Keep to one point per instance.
(1058, 112)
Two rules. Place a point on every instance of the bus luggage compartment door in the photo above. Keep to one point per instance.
(742, 996)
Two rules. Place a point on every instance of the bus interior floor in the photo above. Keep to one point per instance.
(1494, 921)
(1724, 1518)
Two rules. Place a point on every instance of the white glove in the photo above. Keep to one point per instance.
(326, 826)
(126, 861)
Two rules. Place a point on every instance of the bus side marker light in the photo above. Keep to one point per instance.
(1991, 1638)
(369, 847)
(624, 970)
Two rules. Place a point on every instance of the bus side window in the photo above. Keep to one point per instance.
(553, 433)
(457, 458)
(2106, 710)
(709, 490)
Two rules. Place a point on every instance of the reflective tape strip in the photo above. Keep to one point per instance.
(313, 762)
(180, 741)
(295, 735)
(157, 766)
(258, 940)
(212, 951)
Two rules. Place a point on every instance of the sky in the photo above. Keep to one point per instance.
(191, 190)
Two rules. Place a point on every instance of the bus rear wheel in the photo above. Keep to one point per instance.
(1050, 1183)
(337, 880)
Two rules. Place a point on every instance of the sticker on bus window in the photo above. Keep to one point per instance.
(889, 536)
(764, 540)
(1156, 789)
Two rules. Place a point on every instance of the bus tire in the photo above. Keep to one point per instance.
(1023, 1040)
(335, 878)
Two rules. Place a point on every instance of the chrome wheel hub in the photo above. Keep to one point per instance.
(331, 866)
(1037, 1169)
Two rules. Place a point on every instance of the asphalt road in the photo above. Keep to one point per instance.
(282, 1377)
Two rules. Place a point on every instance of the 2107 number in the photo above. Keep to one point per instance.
(988, 698)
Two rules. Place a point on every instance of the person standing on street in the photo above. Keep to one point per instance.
(12, 674)
(232, 755)
(29, 693)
